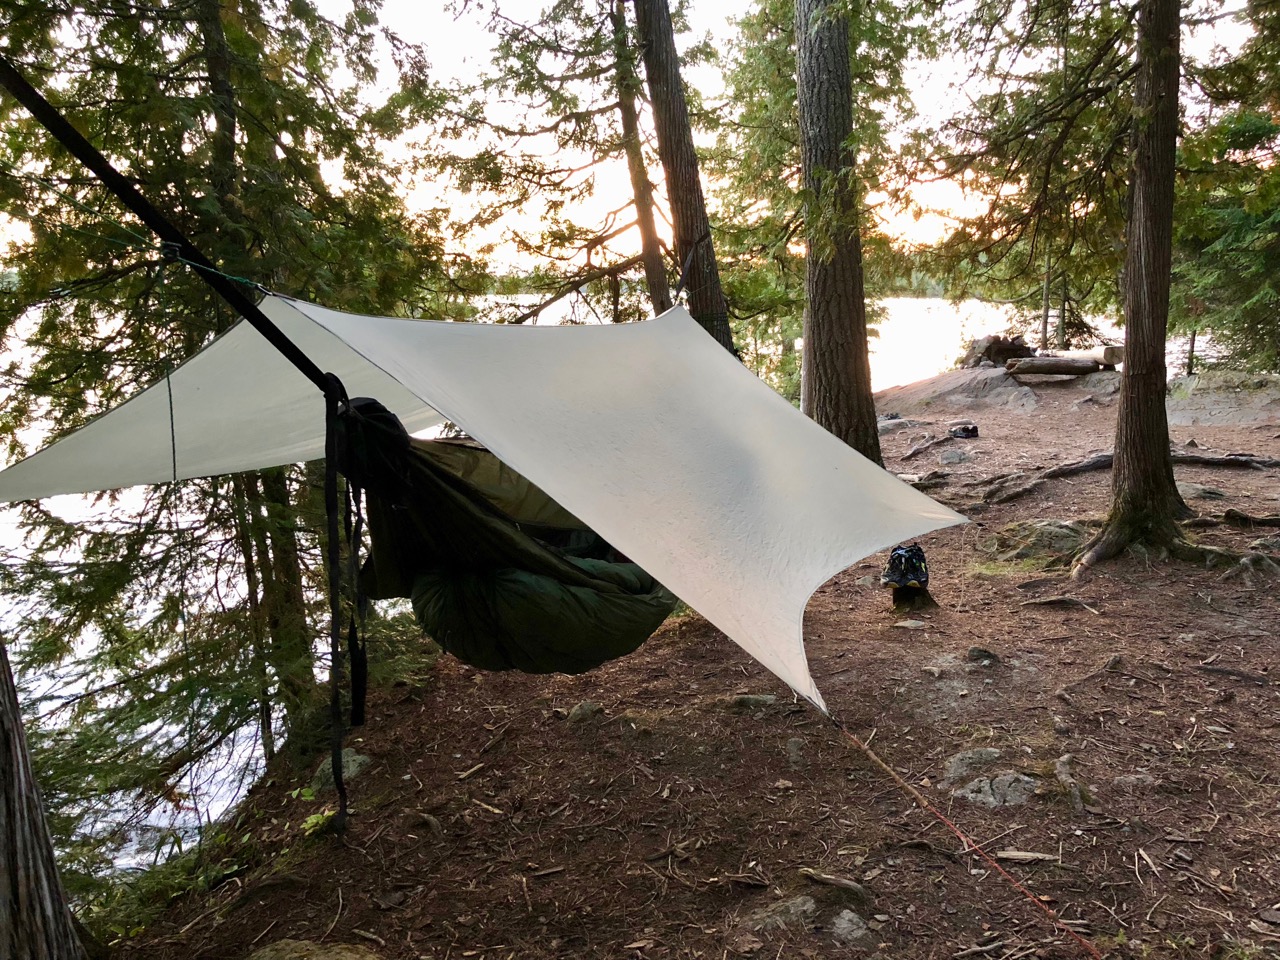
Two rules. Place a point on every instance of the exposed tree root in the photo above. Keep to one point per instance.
(1114, 539)
(1233, 518)
(1238, 518)
(1240, 461)
(928, 444)
(1001, 489)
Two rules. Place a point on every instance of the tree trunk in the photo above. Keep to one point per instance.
(836, 370)
(35, 922)
(289, 649)
(680, 164)
(257, 633)
(655, 268)
(1145, 504)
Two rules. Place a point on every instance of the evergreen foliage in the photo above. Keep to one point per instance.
(161, 632)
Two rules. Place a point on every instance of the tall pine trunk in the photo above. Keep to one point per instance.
(35, 922)
(279, 573)
(1145, 504)
(680, 164)
(836, 370)
(655, 269)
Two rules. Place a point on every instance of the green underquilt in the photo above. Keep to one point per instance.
(482, 584)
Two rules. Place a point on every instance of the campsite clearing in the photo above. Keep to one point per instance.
(1111, 743)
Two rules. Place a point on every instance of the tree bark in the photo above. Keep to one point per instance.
(836, 370)
(35, 921)
(655, 268)
(1145, 504)
(680, 164)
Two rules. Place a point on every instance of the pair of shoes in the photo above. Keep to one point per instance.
(966, 431)
(906, 568)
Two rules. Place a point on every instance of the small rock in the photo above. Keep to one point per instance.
(1266, 545)
(781, 915)
(954, 456)
(1003, 790)
(896, 424)
(744, 944)
(352, 764)
(1061, 726)
(851, 930)
(1191, 443)
(1134, 782)
(962, 766)
(432, 823)
(585, 711)
(1198, 491)
(795, 753)
(986, 365)
(307, 950)
(934, 672)
(911, 624)
(867, 581)
(982, 656)
(747, 702)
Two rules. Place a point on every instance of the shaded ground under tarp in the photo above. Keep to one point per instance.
(491, 825)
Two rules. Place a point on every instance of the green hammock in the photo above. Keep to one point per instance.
(499, 574)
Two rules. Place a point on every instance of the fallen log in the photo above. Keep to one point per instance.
(1106, 356)
(1052, 365)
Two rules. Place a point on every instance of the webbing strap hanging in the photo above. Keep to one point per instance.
(357, 653)
(334, 399)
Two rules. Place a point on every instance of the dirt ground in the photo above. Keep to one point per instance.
(677, 819)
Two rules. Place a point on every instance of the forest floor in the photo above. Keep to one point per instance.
(1116, 753)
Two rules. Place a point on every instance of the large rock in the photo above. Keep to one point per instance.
(1038, 540)
(1198, 491)
(962, 766)
(851, 930)
(958, 389)
(1003, 790)
(584, 711)
(995, 350)
(307, 950)
(1224, 396)
(352, 764)
(785, 914)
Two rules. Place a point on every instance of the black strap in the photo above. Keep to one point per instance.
(334, 400)
(356, 649)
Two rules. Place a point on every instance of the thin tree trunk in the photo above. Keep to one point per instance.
(1145, 504)
(35, 921)
(257, 631)
(655, 268)
(1191, 354)
(1062, 313)
(1044, 306)
(292, 655)
(680, 164)
(836, 370)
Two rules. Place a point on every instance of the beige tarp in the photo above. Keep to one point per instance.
(649, 432)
